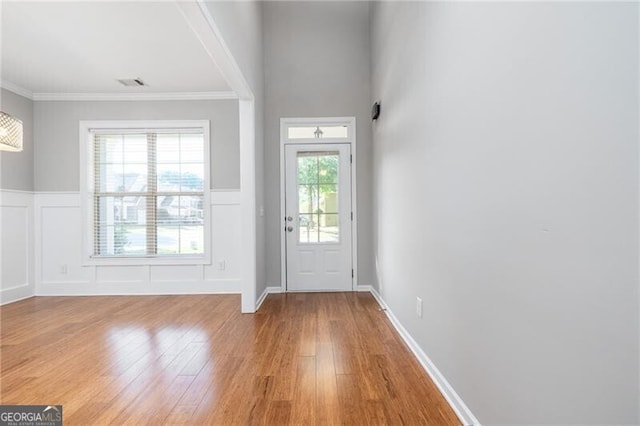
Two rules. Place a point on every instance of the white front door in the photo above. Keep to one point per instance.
(318, 218)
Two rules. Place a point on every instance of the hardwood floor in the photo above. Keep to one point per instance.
(312, 358)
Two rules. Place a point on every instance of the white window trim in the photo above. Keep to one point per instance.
(351, 139)
(87, 205)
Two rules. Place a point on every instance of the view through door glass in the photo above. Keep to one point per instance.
(317, 223)
(318, 183)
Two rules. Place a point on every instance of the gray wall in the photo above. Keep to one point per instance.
(56, 156)
(506, 186)
(16, 168)
(317, 60)
(241, 26)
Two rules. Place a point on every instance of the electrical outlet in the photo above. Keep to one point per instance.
(419, 307)
(63, 269)
(222, 265)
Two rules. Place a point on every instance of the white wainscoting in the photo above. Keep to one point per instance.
(59, 268)
(16, 245)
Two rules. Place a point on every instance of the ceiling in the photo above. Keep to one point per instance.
(77, 47)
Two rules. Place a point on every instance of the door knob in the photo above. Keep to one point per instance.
(290, 228)
(289, 218)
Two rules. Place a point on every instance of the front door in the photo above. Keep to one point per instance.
(317, 222)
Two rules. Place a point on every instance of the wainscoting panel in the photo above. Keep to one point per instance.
(59, 237)
(61, 269)
(226, 244)
(165, 273)
(16, 245)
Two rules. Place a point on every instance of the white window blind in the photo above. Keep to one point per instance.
(147, 192)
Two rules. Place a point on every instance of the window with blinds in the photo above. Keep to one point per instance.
(146, 192)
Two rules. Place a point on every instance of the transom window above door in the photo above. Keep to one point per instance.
(317, 132)
(325, 130)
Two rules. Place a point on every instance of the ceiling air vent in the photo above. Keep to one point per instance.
(132, 82)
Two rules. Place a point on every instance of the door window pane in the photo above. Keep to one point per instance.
(307, 228)
(318, 197)
(307, 199)
(328, 200)
(307, 168)
(328, 169)
(328, 228)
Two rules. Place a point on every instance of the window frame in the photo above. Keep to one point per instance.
(86, 190)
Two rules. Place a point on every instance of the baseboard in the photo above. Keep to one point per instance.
(364, 288)
(265, 293)
(15, 294)
(263, 296)
(457, 404)
(379, 299)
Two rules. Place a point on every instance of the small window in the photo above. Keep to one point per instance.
(318, 132)
(147, 190)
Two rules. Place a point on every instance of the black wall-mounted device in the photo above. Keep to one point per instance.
(375, 111)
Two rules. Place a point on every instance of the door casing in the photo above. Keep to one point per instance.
(285, 123)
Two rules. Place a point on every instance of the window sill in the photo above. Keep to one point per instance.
(144, 261)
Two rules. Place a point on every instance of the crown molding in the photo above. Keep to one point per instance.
(18, 90)
(166, 96)
(160, 96)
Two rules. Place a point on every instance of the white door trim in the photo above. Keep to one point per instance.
(285, 123)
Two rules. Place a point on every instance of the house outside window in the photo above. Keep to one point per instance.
(146, 191)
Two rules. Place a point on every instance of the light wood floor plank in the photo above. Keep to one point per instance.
(303, 359)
